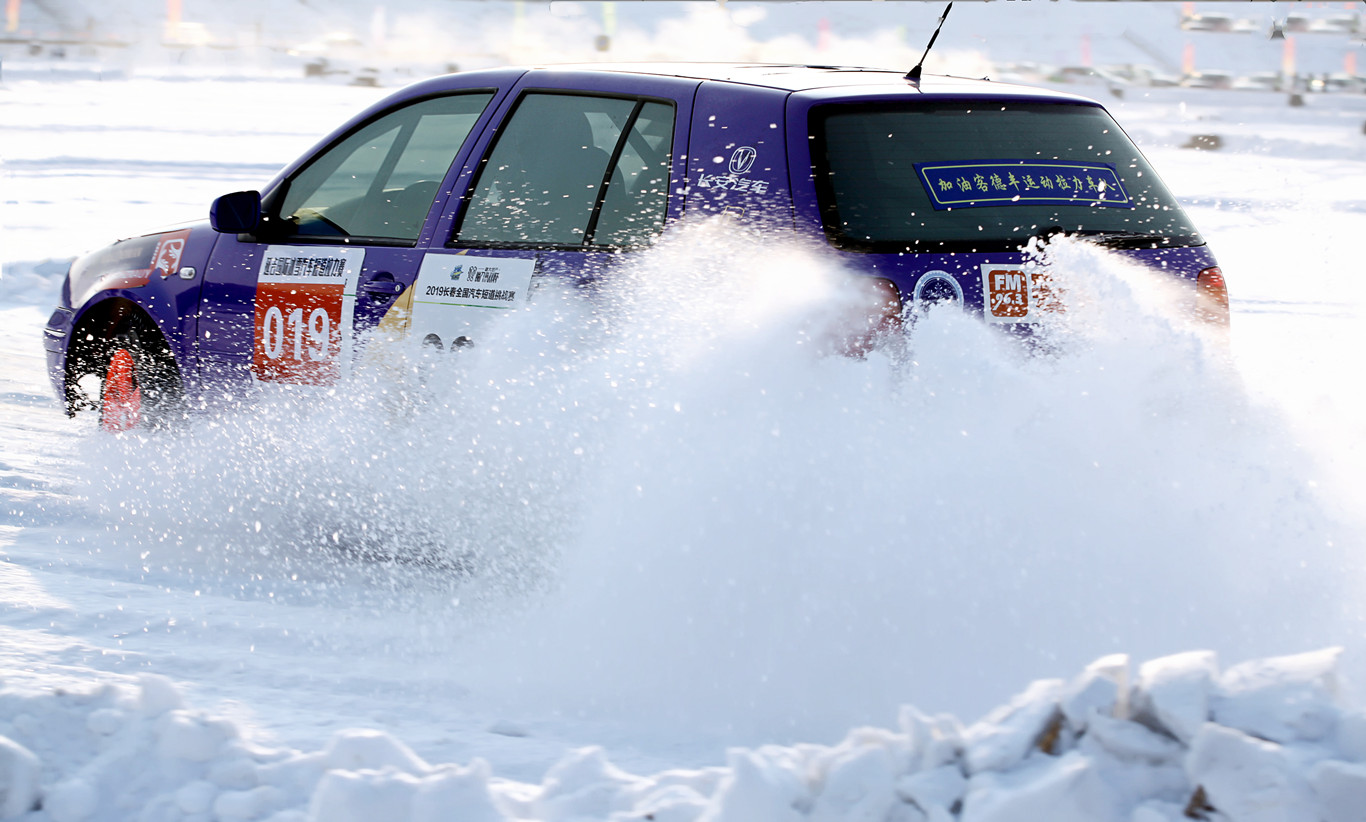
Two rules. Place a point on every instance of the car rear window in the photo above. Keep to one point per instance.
(978, 175)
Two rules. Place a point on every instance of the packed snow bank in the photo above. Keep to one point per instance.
(1264, 740)
(32, 283)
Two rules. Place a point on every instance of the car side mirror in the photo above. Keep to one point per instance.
(236, 213)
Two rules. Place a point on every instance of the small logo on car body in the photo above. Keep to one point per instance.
(1007, 293)
(166, 258)
(742, 160)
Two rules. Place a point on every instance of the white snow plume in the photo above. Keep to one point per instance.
(1266, 739)
(671, 510)
(776, 546)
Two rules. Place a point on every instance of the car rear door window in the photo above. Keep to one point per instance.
(573, 170)
(380, 182)
(633, 209)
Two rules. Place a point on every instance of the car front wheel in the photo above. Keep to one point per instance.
(139, 384)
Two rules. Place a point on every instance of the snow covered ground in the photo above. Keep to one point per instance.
(698, 538)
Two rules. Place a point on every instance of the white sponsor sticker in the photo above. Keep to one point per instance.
(455, 295)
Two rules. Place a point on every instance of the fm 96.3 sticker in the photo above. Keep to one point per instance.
(1013, 295)
(304, 301)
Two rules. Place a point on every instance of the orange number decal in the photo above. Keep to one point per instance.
(304, 300)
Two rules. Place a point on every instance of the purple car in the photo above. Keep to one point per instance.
(448, 202)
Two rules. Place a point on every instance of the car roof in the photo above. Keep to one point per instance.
(799, 78)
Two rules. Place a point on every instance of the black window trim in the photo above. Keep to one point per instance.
(270, 203)
(587, 243)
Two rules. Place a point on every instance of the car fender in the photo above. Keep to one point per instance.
(157, 275)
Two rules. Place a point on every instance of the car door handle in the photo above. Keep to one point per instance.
(388, 288)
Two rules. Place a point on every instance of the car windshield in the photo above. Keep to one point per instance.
(978, 175)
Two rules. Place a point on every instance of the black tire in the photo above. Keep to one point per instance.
(154, 375)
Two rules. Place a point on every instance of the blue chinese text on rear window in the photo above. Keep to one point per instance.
(979, 183)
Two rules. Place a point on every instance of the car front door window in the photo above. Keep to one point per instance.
(380, 182)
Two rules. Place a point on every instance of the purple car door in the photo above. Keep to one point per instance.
(582, 167)
(341, 237)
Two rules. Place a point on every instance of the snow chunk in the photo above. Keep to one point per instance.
(73, 800)
(934, 741)
(1282, 699)
(298, 774)
(234, 773)
(1351, 736)
(357, 749)
(19, 774)
(450, 788)
(937, 788)
(672, 803)
(1132, 742)
(858, 787)
(192, 737)
(1173, 693)
(196, 797)
(349, 796)
(1247, 779)
(1067, 789)
(582, 784)
(157, 695)
(243, 806)
(105, 721)
(1341, 789)
(1006, 735)
(445, 793)
(1102, 687)
(760, 785)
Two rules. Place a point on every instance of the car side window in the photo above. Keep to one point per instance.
(550, 178)
(633, 210)
(380, 181)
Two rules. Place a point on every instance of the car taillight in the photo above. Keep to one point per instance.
(875, 313)
(1211, 300)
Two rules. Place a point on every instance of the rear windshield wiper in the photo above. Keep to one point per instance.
(1110, 238)
(1117, 238)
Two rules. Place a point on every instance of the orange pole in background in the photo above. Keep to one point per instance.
(1188, 59)
(1349, 64)
(172, 21)
(12, 15)
(1288, 57)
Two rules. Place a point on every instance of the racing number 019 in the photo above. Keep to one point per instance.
(318, 327)
(296, 332)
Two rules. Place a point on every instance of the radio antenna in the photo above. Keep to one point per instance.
(914, 74)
